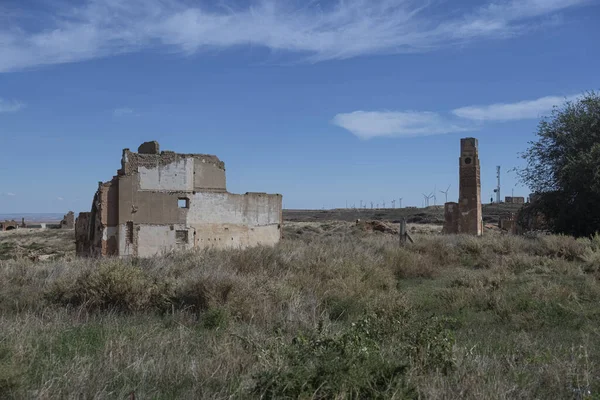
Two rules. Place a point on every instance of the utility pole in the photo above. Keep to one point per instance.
(498, 187)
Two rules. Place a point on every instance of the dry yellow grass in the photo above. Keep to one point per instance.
(331, 312)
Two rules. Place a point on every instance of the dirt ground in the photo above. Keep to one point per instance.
(37, 244)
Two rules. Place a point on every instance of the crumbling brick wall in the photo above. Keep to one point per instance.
(162, 201)
(68, 221)
(8, 225)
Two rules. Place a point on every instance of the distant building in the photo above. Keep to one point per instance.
(514, 200)
(8, 225)
(161, 201)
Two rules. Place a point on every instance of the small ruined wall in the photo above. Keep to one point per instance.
(82, 234)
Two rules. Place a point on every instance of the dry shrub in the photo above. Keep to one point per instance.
(561, 246)
(114, 285)
(216, 323)
(407, 264)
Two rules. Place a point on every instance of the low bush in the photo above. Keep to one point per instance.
(371, 358)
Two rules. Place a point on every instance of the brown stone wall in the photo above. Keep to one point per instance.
(451, 218)
(9, 225)
(68, 221)
(82, 234)
(470, 188)
(148, 207)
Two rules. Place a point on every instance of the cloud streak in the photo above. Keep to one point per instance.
(371, 124)
(10, 106)
(313, 32)
(122, 112)
(512, 111)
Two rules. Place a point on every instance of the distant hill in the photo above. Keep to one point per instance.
(427, 215)
(34, 217)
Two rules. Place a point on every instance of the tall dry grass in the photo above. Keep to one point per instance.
(331, 312)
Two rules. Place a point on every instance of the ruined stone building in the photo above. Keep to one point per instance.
(514, 200)
(466, 215)
(68, 221)
(161, 201)
(8, 225)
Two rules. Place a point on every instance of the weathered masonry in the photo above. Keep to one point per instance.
(466, 215)
(162, 201)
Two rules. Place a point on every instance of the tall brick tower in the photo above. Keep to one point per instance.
(469, 196)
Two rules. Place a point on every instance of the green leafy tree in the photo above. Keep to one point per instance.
(563, 167)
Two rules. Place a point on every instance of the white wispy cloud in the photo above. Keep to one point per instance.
(9, 194)
(337, 30)
(10, 106)
(527, 109)
(60, 198)
(370, 124)
(121, 112)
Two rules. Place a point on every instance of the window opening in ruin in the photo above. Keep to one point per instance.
(181, 237)
(129, 232)
(183, 202)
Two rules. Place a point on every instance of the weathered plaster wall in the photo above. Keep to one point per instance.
(178, 175)
(208, 176)
(236, 236)
(156, 239)
(252, 209)
(233, 220)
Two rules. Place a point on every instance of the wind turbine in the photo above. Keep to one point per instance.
(400, 202)
(427, 198)
(446, 192)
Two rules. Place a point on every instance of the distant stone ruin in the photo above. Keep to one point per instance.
(514, 200)
(466, 215)
(68, 221)
(161, 201)
(508, 224)
(9, 225)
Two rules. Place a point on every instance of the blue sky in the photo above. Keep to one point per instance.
(321, 101)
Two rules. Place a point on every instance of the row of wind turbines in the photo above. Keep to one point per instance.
(432, 195)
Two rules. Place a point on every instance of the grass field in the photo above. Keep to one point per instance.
(333, 311)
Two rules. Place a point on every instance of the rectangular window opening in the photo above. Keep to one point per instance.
(183, 202)
(181, 237)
